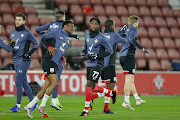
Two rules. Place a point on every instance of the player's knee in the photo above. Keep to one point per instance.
(90, 83)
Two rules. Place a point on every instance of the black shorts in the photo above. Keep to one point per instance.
(109, 73)
(93, 73)
(49, 66)
(128, 64)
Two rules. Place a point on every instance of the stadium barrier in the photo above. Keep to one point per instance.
(73, 83)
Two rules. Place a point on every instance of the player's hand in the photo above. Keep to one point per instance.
(145, 51)
(77, 37)
(81, 55)
(51, 50)
(64, 61)
(4, 41)
(13, 41)
(94, 56)
(27, 56)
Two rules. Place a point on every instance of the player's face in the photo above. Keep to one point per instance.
(0, 29)
(136, 24)
(69, 28)
(94, 25)
(19, 21)
(113, 26)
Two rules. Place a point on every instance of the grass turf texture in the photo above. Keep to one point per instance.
(156, 108)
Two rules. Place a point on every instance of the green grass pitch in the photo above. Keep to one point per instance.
(156, 108)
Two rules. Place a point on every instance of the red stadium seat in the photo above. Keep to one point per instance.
(62, 2)
(119, 47)
(3, 31)
(178, 20)
(157, 43)
(171, 22)
(39, 53)
(77, 43)
(142, 32)
(15, 1)
(164, 32)
(63, 7)
(152, 3)
(35, 65)
(32, 29)
(141, 2)
(146, 43)
(110, 10)
(4, 54)
(163, 3)
(160, 22)
(75, 10)
(161, 54)
(44, 20)
(173, 54)
(84, 2)
(78, 19)
(168, 43)
(99, 10)
(129, 2)
(177, 43)
(167, 12)
(17, 8)
(144, 11)
(177, 12)
(124, 20)
(141, 64)
(122, 11)
(152, 54)
(107, 2)
(139, 54)
(32, 20)
(154, 65)
(175, 32)
(35, 55)
(87, 10)
(153, 32)
(149, 22)
(5, 8)
(165, 65)
(30, 10)
(1, 20)
(116, 20)
(8, 19)
(88, 20)
(155, 11)
(141, 22)
(73, 2)
(96, 2)
(1, 65)
(102, 19)
(7, 61)
(118, 2)
(9, 28)
(133, 10)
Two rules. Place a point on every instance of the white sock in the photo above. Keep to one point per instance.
(18, 105)
(44, 100)
(100, 94)
(87, 103)
(136, 96)
(126, 99)
(33, 102)
(106, 91)
(107, 99)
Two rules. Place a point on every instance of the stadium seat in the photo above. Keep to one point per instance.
(88, 17)
(102, 19)
(5, 8)
(142, 32)
(119, 47)
(32, 20)
(4, 54)
(75, 10)
(141, 22)
(39, 53)
(144, 11)
(63, 7)
(133, 10)
(84, 2)
(8, 19)
(171, 22)
(1, 65)
(35, 55)
(178, 21)
(163, 3)
(141, 2)
(99, 10)
(96, 2)
(35, 65)
(164, 32)
(62, 2)
(175, 32)
(1, 20)
(152, 54)
(167, 12)
(110, 10)
(153, 32)
(152, 3)
(116, 20)
(118, 2)
(77, 43)
(161, 54)
(154, 65)
(139, 54)
(157, 43)
(156, 11)
(87, 10)
(141, 64)
(177, 43)
(124, 20)
(169, 43)
(173, 54)
(7, 61)
(146, 43)
(30, 10)
(122, 11)
(165, 65)
(129, 2)
(149, 22)
(177, 12)
(3, 31)
(78, 19)
(107, 2)
(17, 8)
(32, 29)
(9, 28)
(15, 1)
(44, 20)
(73, 2)
(160, 22)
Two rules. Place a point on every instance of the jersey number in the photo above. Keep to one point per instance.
(95, 75)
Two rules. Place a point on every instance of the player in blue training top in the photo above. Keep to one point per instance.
(56, 42)
(95, 46)
(55, 26)
(127, 60)
(22, 57)
(109, 74)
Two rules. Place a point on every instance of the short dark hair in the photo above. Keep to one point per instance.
(21, 15)
(98, 21)
(109, 23)
(67, 22)
(59, 14)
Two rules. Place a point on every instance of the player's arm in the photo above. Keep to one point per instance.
(74, 36)
(6, 47)
(40, 30)
(122, 31)
(120, 39)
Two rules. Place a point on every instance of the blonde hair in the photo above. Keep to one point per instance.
(132, 19)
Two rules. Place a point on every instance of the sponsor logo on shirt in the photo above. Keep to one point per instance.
(54, 26)
(90, 48)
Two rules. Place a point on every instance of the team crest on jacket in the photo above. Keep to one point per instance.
(22, 35)
(96, 41)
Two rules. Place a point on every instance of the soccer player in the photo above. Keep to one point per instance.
(56, 43)
(127, 60)
(55, 26)
(109, 74)
(95, 45)
(22, 58)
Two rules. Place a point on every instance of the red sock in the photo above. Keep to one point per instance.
(95, 96)
(98, 89)
(106, 106)
(88, 95)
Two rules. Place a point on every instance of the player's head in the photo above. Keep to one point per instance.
(68, 26)
(60, 15)
(110, 24)
(133, 20)
(20, 19)
(94, 24)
